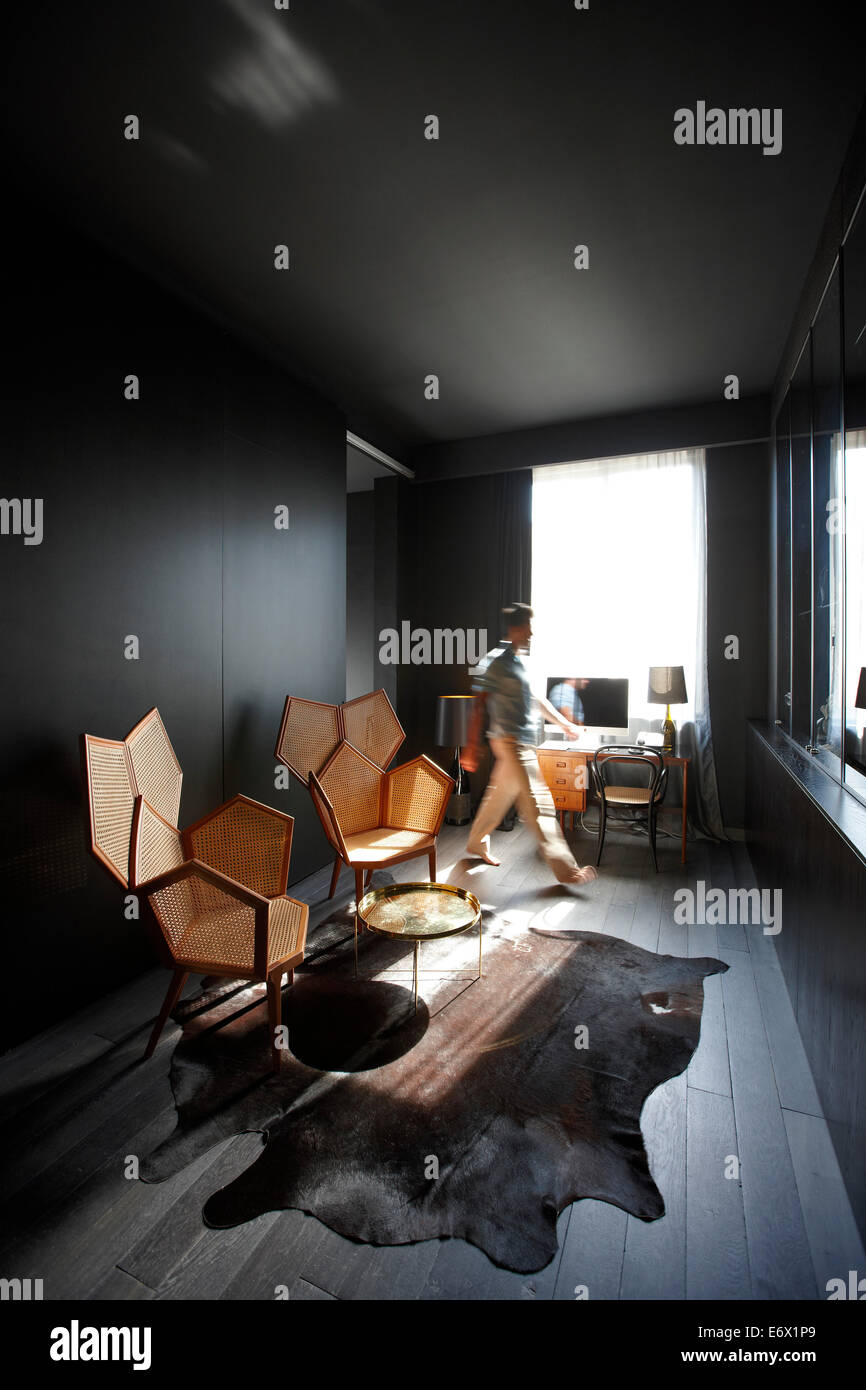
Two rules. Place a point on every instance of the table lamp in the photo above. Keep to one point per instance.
(453, 718)
(860, 701)
(667, 686)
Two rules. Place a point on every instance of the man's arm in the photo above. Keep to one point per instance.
(470, 754)
(556, 717)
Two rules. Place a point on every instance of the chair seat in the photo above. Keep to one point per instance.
(628, 796)
(379, 845)
(222, 938)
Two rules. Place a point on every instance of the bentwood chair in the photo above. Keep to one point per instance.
(373, 818)
(617, 796)
(311, 734)
(216, 891)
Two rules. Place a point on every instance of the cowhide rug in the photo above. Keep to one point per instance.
(482, 1116)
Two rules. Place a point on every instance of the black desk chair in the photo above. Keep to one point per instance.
(614, 795)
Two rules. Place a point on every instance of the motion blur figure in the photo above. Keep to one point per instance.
(502, 685)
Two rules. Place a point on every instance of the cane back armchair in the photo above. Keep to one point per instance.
(216, 891)
(372, 818)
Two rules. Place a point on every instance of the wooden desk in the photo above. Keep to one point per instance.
(565, 769)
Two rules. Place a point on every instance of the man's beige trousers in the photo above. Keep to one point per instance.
(515, 777)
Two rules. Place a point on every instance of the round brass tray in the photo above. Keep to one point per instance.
(433, 910)
(419, 912)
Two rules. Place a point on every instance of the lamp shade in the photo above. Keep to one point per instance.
(860, 702)
(453, 717)
(667, 686)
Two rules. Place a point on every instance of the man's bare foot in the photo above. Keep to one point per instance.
(578, 875)
(483, 852)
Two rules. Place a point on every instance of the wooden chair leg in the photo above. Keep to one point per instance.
(178, 980)
(359, 893)
(431, 859)
(338, 864)
(275, 1016)
(368, 878)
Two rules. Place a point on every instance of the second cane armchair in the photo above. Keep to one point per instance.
(310, 735)
(216, 891)
(374, 818)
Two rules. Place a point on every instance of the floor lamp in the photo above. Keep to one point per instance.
(453, 719)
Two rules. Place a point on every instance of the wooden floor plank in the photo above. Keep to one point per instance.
(830, 1226)
(794, 1081)
(779, 1254)
(592, 1253)
(654, 1260)
(717, 1265)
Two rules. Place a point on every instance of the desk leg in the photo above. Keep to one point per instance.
(685, 805)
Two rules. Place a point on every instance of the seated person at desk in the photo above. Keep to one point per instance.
(502, 682)
(565, 696)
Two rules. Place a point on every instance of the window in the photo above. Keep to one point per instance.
(820, 438)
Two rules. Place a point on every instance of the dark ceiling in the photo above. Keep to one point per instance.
(409, 256)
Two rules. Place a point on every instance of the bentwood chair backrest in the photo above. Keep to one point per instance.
(611, 757)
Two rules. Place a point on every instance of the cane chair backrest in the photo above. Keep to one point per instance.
(111, 801)
(353, 786)
(158, 776)
(414, 796)
(308, 735)
(371, 726)
(247, 842)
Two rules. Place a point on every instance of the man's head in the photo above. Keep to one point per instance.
(517, 620)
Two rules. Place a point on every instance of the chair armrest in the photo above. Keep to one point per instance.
(249, 842)
(416, 796)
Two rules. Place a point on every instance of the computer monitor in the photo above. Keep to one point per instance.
(598, 702)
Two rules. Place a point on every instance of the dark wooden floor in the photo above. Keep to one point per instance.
(76, 1102)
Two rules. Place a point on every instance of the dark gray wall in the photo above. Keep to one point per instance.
(158, 522)
(807, 837)
(360, 593)
(737, 605)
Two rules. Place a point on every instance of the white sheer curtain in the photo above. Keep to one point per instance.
(619, 584)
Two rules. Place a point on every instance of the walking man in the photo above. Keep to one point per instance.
(502, 685)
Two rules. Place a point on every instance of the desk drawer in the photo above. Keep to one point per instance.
(569, 800)
(564, 772)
